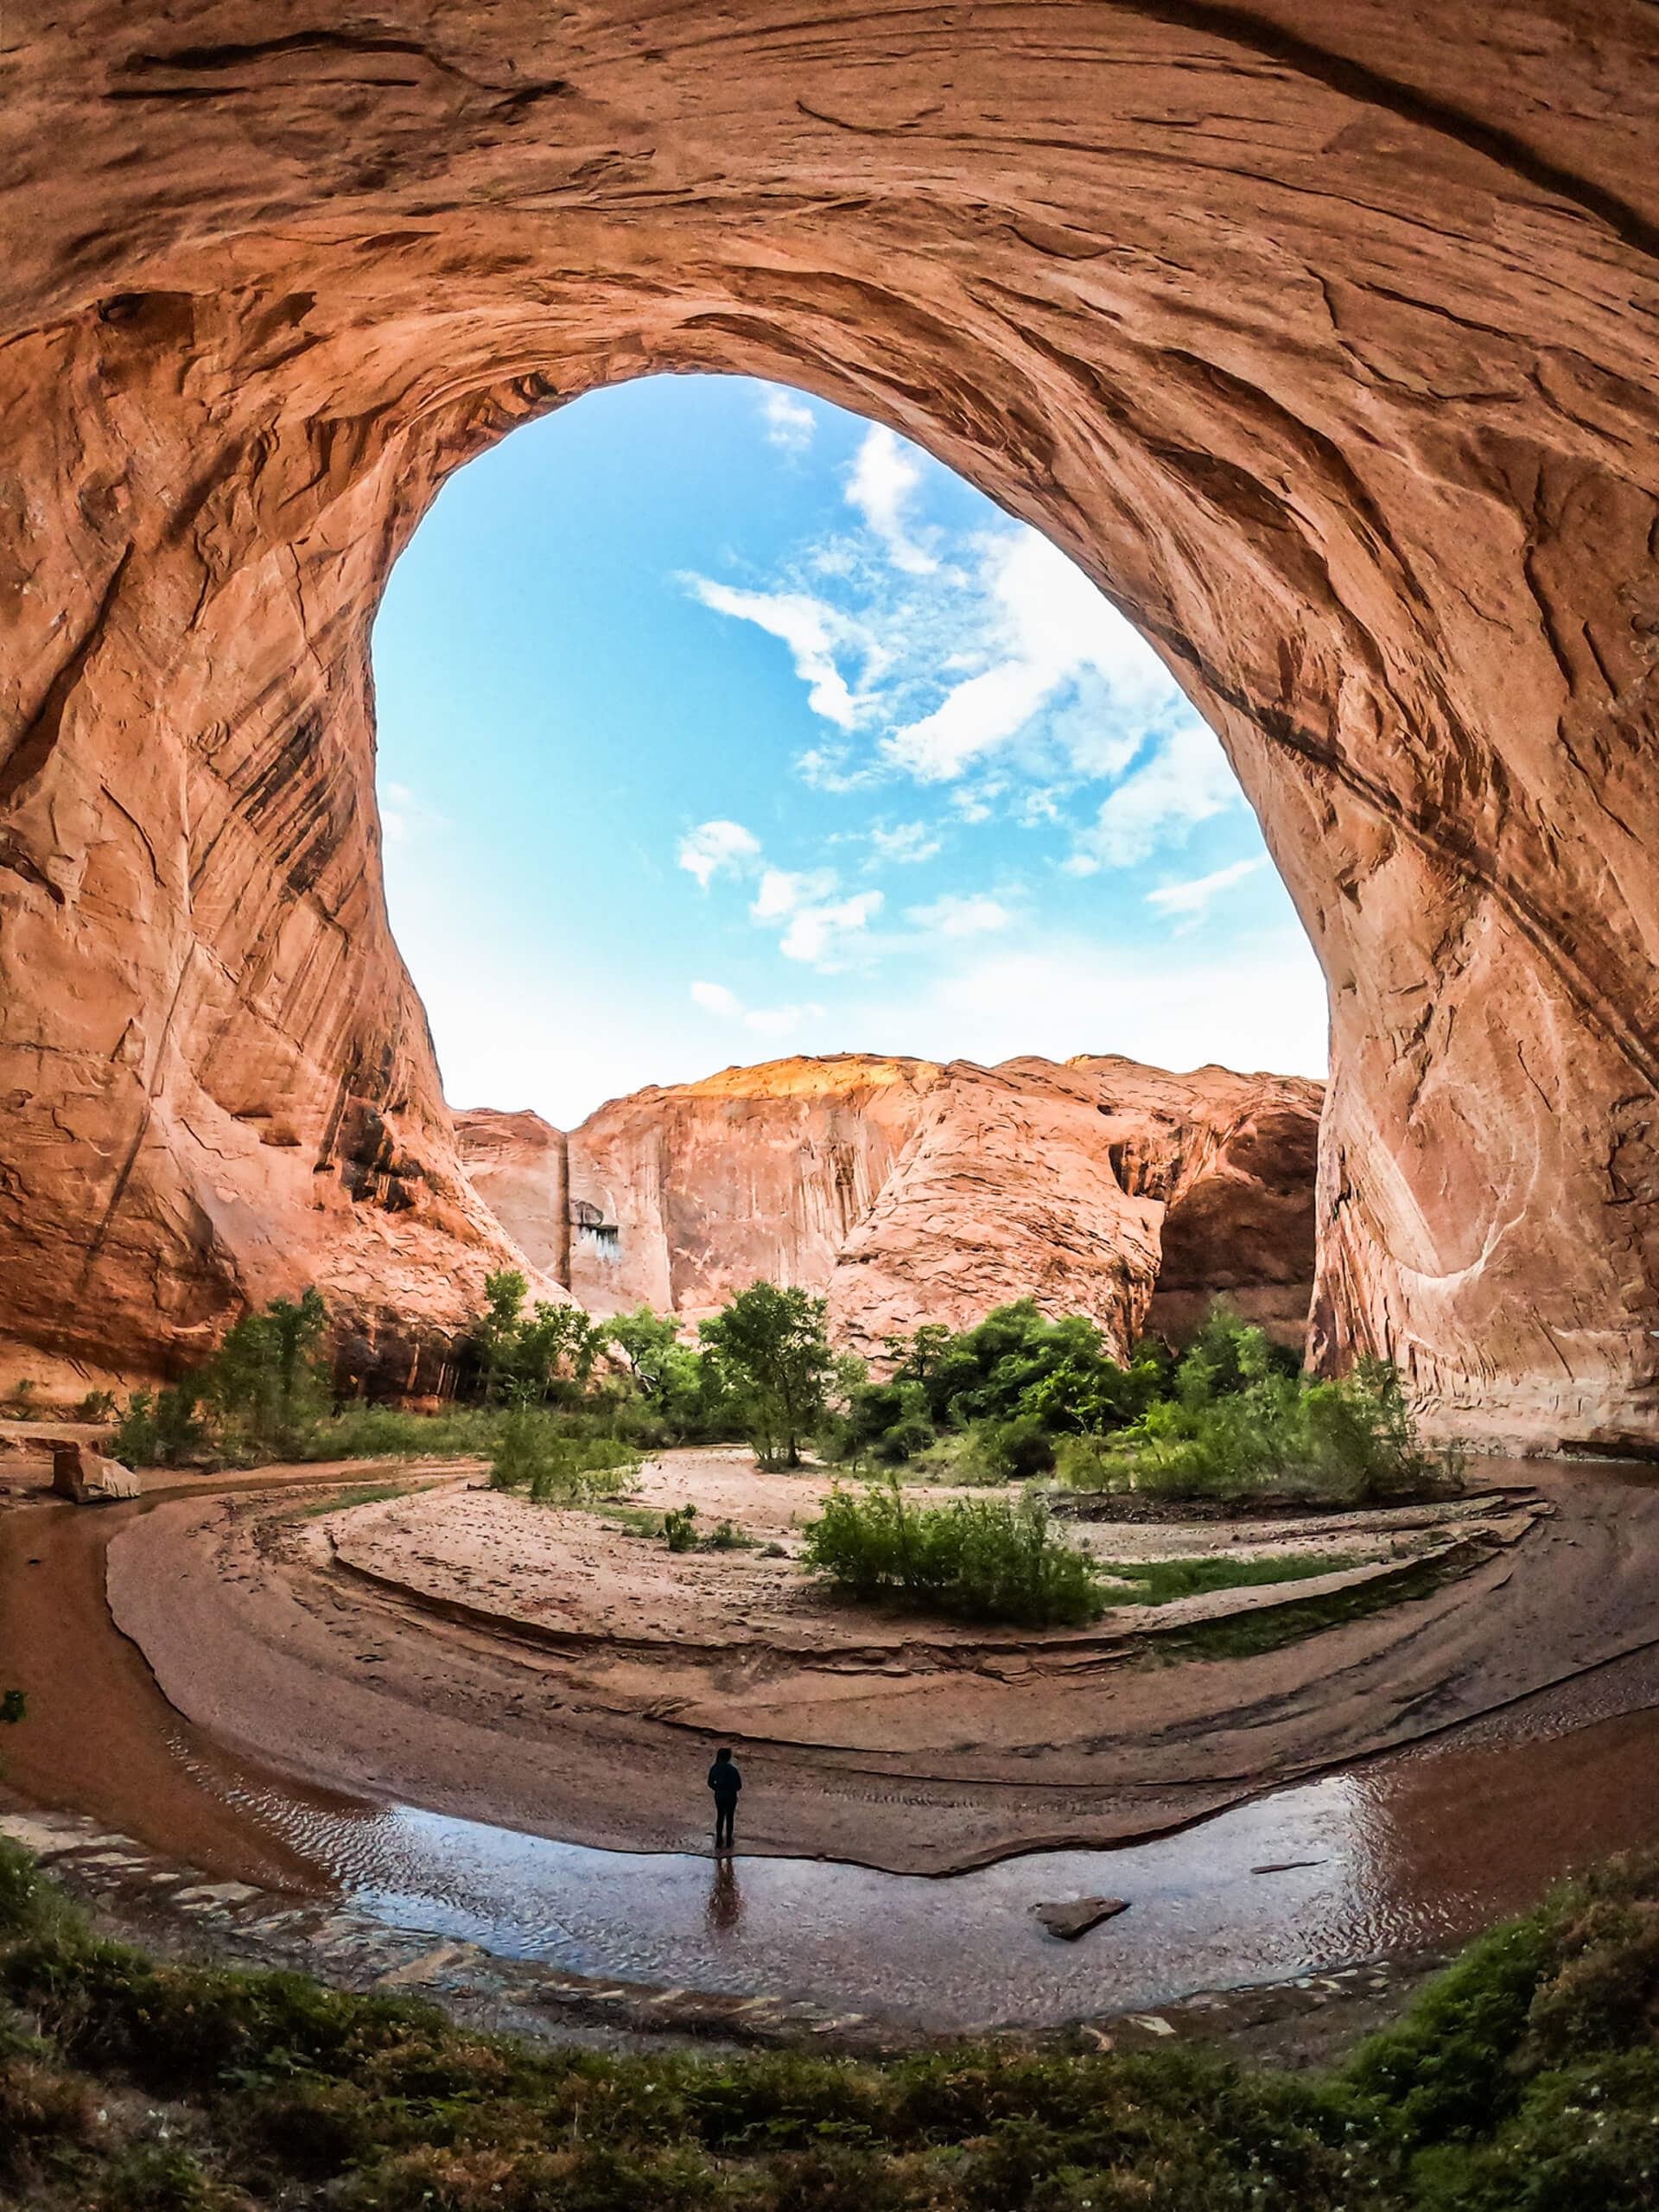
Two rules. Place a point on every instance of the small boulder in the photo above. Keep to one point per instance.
(1076, 1916)
(81, 1473)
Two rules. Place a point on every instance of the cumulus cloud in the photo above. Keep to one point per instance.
(1192, 900)
(820, 935)
(1187, 780)
(782, 893)
(884, 477)
(974, 915)
(790, 422)
(715, 998)
(907, 843)
(714, 847)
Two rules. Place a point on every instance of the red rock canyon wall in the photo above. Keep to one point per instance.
(1321, 331)
(912, 1191)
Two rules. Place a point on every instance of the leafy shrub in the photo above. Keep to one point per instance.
(1501, 2090)
(159, 2178)
(259, 1396)
(42, 2113)
(97, 1405)
(365, 1431)
(1350, 1441)
(975, 1558)
(727, 1537)
(531, 1453)
(680, 1526)
(160, 1428)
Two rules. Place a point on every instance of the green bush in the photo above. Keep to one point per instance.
(680, 1526)
(258, 1397)
(978, 1559)
(365, 1432)
(160, 2178)
(160, 1428)
(1257, 1431)
(530, 1452)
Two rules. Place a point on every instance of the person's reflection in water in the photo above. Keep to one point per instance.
(725, 1909)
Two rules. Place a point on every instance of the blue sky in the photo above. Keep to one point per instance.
(717, 724)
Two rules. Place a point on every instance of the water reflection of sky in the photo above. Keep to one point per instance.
(1407, 1854)
(1280, 1887)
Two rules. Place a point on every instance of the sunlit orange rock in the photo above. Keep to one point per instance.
(1322, 335)
(910, 1192)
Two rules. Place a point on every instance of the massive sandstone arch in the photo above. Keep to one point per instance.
(1322, 332)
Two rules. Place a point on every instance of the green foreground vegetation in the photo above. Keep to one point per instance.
(1526, 2077)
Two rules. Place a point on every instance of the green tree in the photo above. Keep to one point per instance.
(555, 1353)
(648, 1343)
(774, 1341)
(267, 1381)
(498, 1329)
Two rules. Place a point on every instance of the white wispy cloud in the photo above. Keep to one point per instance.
(981, 713)
(714, 847)
(884, 476)
(810, 627)
(790, 422)
(953, 914)
(1186, 781)
(764, 1020)
(1194, 900)
(907, 845)
(782, 893)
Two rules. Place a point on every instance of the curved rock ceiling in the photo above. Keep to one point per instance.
(1322, 334)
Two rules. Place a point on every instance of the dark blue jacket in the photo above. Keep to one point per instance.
(725, 1781)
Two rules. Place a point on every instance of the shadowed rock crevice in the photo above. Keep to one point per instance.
(1324, 340)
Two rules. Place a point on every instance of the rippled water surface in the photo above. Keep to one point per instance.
(1402, 1855)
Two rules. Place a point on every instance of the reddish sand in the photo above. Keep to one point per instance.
(902, 1745)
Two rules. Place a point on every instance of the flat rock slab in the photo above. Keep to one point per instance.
(1076, 1916)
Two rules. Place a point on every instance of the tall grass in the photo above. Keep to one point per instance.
(978, 1559)
(1159, 1581)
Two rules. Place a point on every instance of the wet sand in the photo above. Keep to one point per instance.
(906, 1762)
(1408, 1851)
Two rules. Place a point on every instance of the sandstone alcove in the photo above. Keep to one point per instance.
(1323, 341)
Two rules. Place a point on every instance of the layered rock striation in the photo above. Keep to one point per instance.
(1323, 336)
(908, 1191)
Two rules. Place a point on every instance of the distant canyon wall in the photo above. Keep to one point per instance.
(908, 1191)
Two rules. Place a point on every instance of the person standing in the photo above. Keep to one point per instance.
(725, 1781)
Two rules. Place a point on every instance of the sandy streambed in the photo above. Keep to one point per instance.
(919, 1753)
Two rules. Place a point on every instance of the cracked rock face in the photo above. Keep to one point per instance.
(1322, 335)
(910, 1192)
